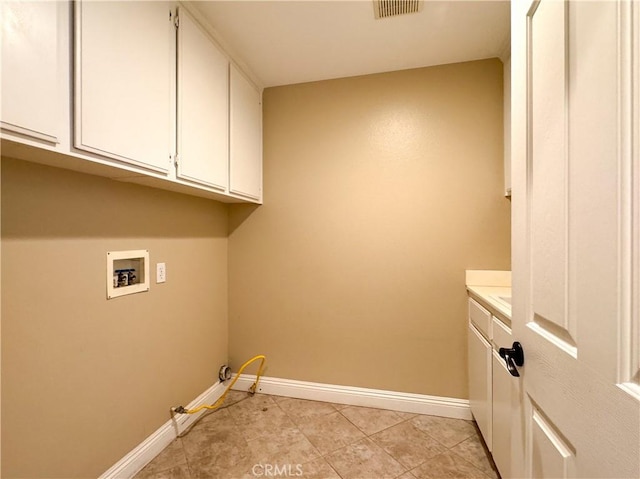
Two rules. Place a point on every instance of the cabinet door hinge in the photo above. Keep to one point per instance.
(173, 18)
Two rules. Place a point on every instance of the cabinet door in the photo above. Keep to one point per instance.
(246, 137)
(125, 81)
(203, 107)
(30, 69)
(501, 432)
(480, 382)
(501, 398)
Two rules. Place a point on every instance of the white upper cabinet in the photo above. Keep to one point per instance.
(138, 91)
(125, 81)
(30, 100)
(245, 137)
(203, 107)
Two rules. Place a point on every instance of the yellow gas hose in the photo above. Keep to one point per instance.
(218, 403)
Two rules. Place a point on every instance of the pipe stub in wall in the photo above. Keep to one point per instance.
(225, 373)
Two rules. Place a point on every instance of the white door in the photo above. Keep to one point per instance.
(203, 107)
(575, 244)
(125, 81)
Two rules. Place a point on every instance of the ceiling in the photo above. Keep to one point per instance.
(285, 42)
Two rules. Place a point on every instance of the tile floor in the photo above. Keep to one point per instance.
(270, 436)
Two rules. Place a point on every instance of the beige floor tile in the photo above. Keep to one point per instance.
(330, 432)
(278, 399)
(175, 472)
(222, 417)
(217, 449)
(339, 407)
(259, 417)
(288, 447)
(265, 424)
(245, 410)
(364, 459)
(234, 397)
(447, 431)
(209, 468)
(408, 445)
(318, 469)
(300, 410)
(473, 451)
(215, 440)
(267, 471)
(171, 458)
(406, 415)
(370, 420)
(447, 466)
(257, 431)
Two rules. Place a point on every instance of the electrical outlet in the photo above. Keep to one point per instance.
(161, 272)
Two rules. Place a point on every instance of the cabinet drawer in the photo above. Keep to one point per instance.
(480, 317)
(500, 334)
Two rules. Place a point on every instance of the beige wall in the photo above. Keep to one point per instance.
(85, 380)
(379, 192)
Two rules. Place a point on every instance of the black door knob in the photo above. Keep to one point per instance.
(513, 356)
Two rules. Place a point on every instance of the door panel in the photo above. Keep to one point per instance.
(573, 130)
(551, 457)
(594, 220)
(548, 163)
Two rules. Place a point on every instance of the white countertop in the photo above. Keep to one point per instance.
(488, 296)
(487, 287)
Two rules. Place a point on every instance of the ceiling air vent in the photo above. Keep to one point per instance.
(391, 8)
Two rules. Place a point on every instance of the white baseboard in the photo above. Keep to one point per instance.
(355, 396)
(148, 449)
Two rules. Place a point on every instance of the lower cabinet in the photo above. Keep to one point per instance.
(490, 384)
(480, 382)
(501, 415)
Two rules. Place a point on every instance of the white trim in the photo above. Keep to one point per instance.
(355, 396)
(153, 445)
